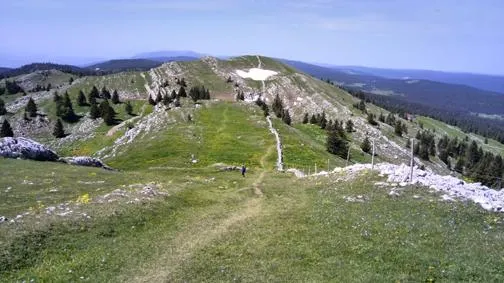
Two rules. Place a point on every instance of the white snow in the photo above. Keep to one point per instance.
(256, 74)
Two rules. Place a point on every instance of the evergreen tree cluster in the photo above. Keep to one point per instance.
(181, 82)
(64, 107)
(263, 106)
(361, 105)
(471, 160)
(280, 112)
(38, 88)
(12, 87)
(337, 143)
(199, 93)
(425, 145)
(491, 128)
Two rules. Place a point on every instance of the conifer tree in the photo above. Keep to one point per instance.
(182, 92)
(286, 118)
(305, 118)
(371, 119)
(115, 97)
(56, 97)
(94, 112)
(398, 128)
(94, 93)
(71, 80)
(92, 99)
(31, 108)
(58, 131)
(105, 94)
(3, 110)
(176, 103)
(313, 119)
(81, 99)
(459, 166)
(323, 121)
(173, 95)
(336, 144)
(366, 145)
(159, 97)
(277, 106)
(166, 100)
(107, 112)
(189, 117)
(67, 112)
(6, 130)
(349, 126)
(128, 108)
(151, 101)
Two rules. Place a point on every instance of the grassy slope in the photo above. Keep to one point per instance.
(220, 133)
(300, 230)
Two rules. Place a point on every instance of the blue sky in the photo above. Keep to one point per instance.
(451, 35)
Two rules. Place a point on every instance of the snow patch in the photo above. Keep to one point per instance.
(256, 74)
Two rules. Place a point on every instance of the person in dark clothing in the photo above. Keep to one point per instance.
(243, 170)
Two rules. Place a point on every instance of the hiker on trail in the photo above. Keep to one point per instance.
(243, 170)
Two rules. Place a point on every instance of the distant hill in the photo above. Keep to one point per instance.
(172, 59)
(168, 54)
(437, 94)
(30, 68)
(486, 82)
(121, 65)
(2, 69)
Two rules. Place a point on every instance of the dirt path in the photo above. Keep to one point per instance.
(278, 144)
(259, 66)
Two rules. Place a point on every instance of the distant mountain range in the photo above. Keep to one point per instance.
(455, 97)
(486, 82)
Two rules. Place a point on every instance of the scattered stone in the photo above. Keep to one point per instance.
(85, 161)
(3, 219)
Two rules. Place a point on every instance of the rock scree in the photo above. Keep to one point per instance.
(25, 149)
(85, 161)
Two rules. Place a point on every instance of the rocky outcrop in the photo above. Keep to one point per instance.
(85, 161)
(25, 149)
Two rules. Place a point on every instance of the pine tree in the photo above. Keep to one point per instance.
(349, 126)
(91, 99)
(159, 97)
(371, 119)
(151, 101)
(398, 128)
(408, 143)
(31, 108)
(115, 97)
(94, 112)
(305, 118)
(105, 94)
(6, 130)
(67, 112)
(189, 117)
(173, 95)
(459, 166)
(277, 106)
(323, 121)
(381, 118)
(3, 110)
(166, 100)
(25, 117)
(107, 113)
(71, 80)
(313, 119)
(182, 92)
(81, 99)
(56, 97)
(128, 108)
(286, 118)
(336, 144)
(58, 131)
(366, 145)
(94, 93)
